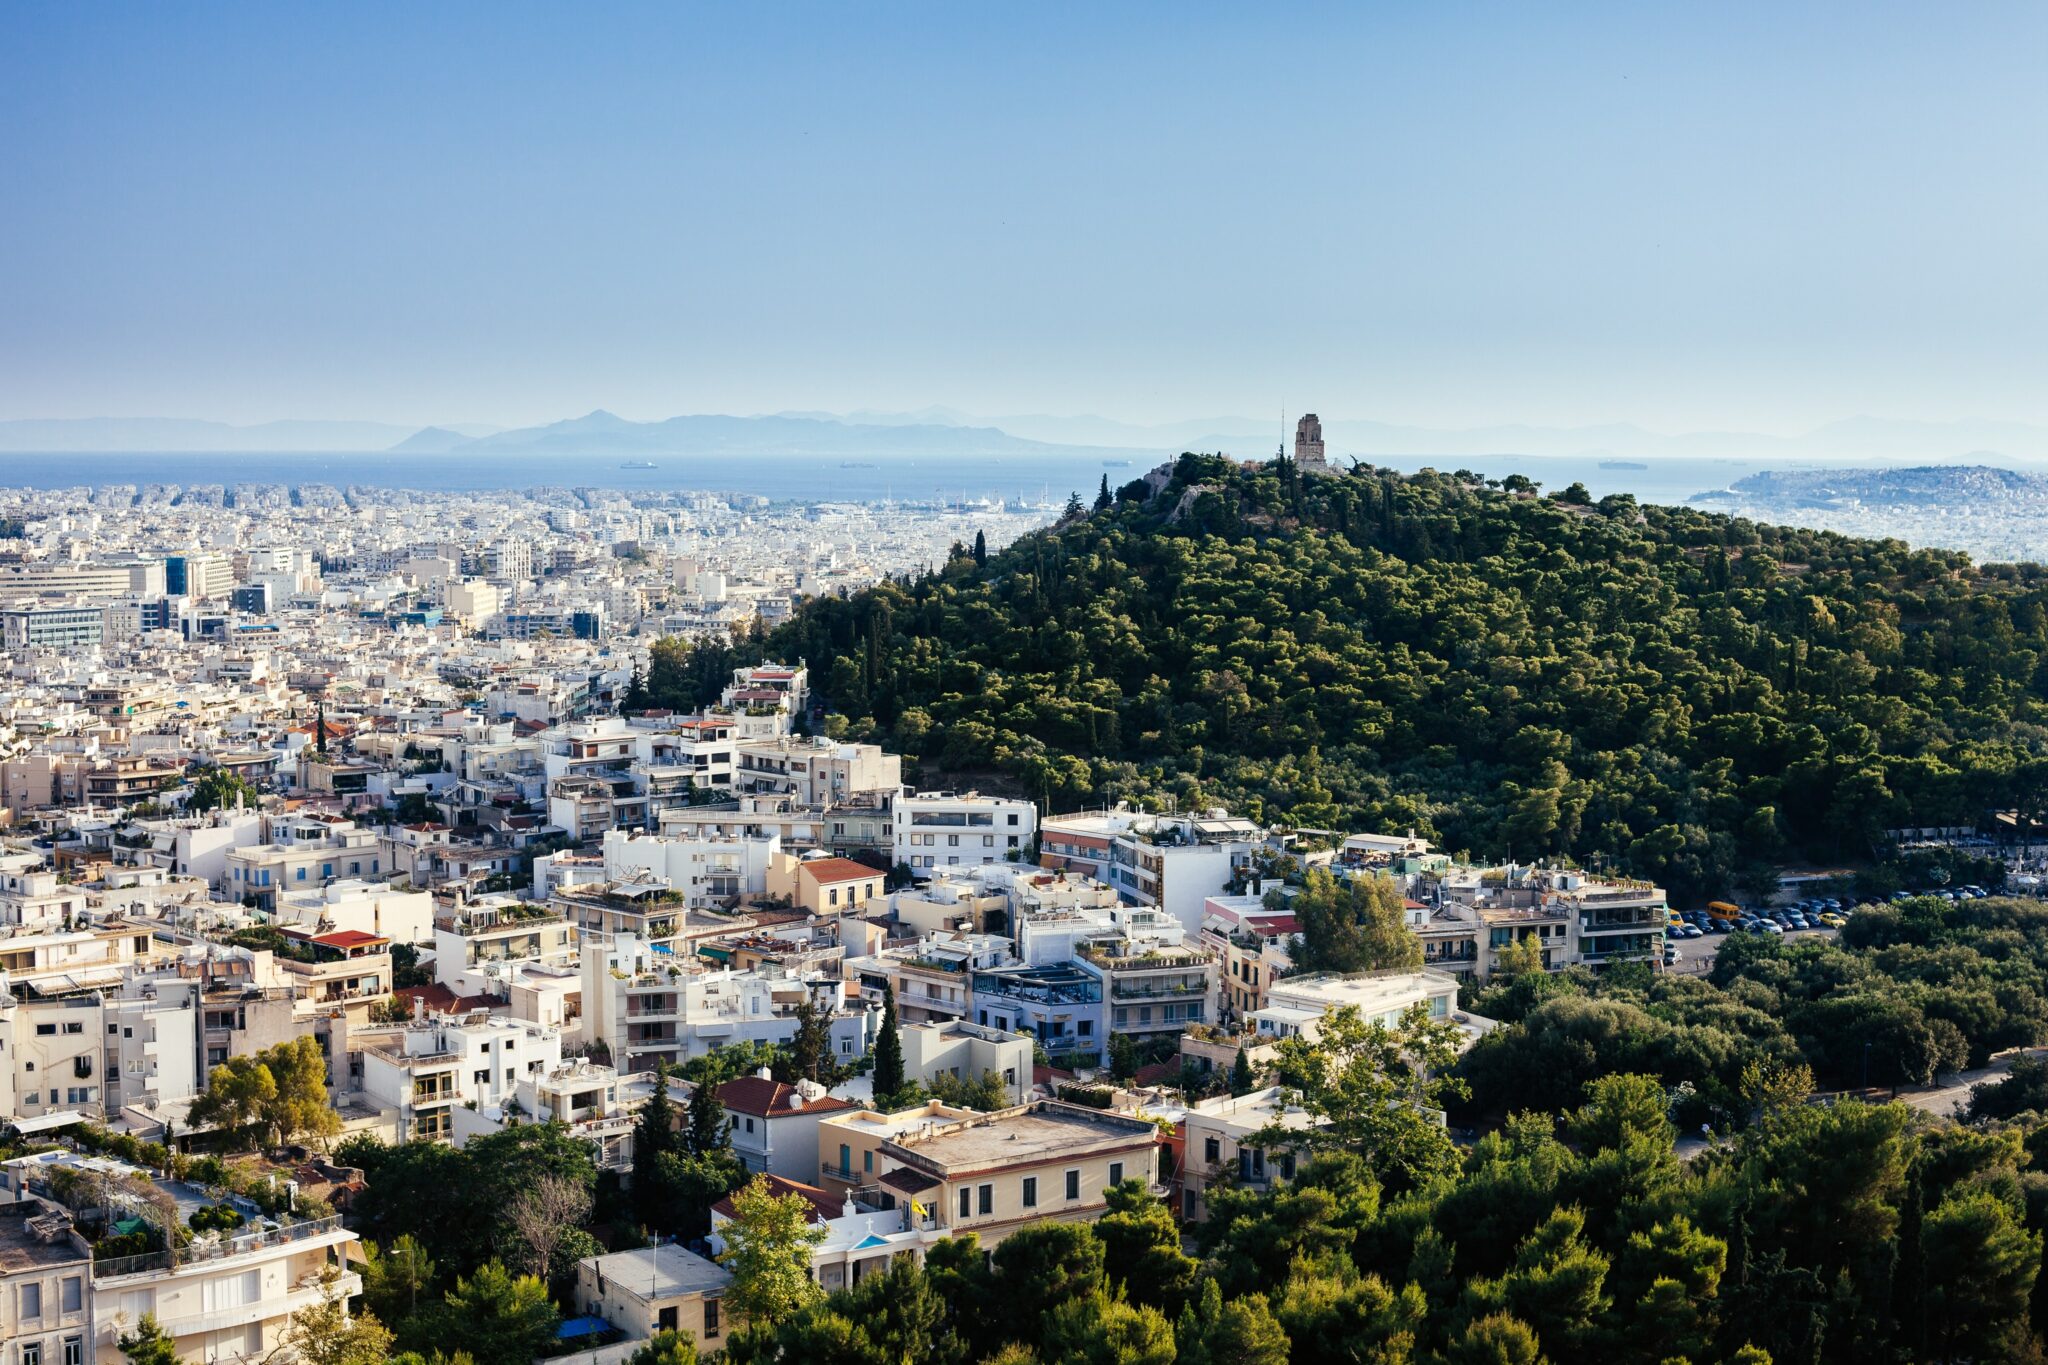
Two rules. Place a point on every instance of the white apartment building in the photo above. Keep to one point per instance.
(650, 1006)
(306, 853)
(816, 771)
(1296, 1005)
(707, 870)
(938, 829)
(226, 1297)
(595, 1102)
(428, 1068)
(368, 907)
(481, 946)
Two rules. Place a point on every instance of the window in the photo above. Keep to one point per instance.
(1087, 1029)
(845, 1159)
(46, 1030)
(987, 1199)
(74, 1294)
(1030, 1191)
(31, 1352)
(867, 1160)
(302, 874)
(711, 1317)
(966, 1201)
(31, 1301)
(666, 1320)
(74, 1351)
(1116, 1172)
(1073, 1184)
(1212, 1150)
(750, 1125)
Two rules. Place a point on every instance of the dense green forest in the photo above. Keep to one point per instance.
(1908, 993)
(1851, 1232)
(1688, 696)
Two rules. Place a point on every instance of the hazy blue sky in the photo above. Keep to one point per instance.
(1758, 216)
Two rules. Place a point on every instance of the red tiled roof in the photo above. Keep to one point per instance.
(908, 1181)
(840, 870)
(771, 1099)
(823, 1205)
(348, 938)
(1159, 1073)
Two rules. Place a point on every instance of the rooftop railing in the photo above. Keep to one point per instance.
(241, 1243)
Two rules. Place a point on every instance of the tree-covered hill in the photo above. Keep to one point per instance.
(1690, 696)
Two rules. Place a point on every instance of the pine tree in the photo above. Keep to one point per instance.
(811, 1049)
(653, 1137)
(1241, 1073)
(888, 1073)
(980, 549)
(707, 1120)
(1074, 508)
(1102, 498)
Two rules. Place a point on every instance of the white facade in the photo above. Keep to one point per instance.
(937, 830)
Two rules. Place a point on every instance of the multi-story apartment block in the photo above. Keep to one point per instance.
(1058, 1004)
(593, 1101)
(306, 853)
(938, 829)
(480, 946)
(427, 1068)
(706, 871)
(1249, 944)
(45, 1286)
(344, 968)
(1152, 987)
(816, 771)
(649, 1006)
(220, 1298)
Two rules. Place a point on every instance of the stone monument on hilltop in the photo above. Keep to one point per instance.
(1308, 444)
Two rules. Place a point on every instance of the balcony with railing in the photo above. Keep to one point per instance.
(244, 1241)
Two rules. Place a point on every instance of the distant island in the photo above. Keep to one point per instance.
(1993, 514)
(1622, 464)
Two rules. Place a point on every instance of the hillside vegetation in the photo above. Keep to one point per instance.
(1684, 695)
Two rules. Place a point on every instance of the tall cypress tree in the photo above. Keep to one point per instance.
(980, 549)
(1102, 498)
(653, 1136)
(707, 1120)
(1241, 1073)
(888, 1073)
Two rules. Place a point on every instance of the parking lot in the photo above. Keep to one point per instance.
(1696, 955)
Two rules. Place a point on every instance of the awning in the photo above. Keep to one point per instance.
(43, 1123)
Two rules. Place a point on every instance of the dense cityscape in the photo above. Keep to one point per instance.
(440, 926)
(927, 684)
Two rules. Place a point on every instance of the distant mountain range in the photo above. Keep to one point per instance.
(604, 434)
(194, 434)
(939, 431)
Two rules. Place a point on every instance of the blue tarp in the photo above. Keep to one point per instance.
(582, 1327)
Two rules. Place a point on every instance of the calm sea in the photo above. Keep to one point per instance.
(808, 478)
